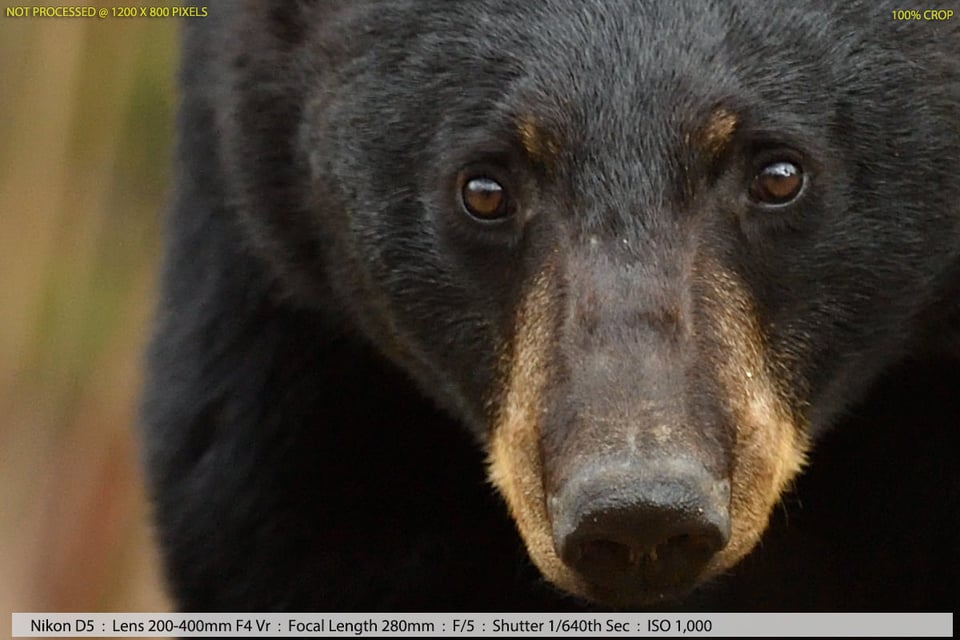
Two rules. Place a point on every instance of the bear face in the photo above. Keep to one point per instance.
(646, 255)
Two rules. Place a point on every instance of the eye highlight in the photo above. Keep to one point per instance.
(484, 198)
(777, 183)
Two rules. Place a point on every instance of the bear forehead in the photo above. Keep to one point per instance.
(633, 79)
(585, 52)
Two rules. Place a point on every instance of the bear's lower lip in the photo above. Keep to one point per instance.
(627, 595)
(632, 590)
(642, 581)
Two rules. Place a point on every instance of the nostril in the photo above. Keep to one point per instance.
(602, 555)
(696, 543)
(641, 545)
(686, 553)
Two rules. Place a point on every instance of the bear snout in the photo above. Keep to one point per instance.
(640, 526)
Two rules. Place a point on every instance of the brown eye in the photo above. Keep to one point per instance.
(777, 183)
(484, 198)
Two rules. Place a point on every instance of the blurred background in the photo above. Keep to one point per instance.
(86, 109)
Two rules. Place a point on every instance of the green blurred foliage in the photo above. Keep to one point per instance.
(86, 110)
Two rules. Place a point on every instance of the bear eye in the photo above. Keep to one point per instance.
(777, 183)
(484, 198)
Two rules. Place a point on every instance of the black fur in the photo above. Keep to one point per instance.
(322, 295)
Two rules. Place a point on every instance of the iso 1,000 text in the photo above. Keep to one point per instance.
(690, 625)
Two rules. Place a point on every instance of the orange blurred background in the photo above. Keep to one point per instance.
(86, 110)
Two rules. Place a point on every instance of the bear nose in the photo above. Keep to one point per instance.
(637, 526)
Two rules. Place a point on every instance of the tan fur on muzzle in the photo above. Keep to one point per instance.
(769, 447)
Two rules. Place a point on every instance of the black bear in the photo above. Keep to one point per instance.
(623, 261)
